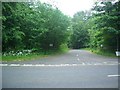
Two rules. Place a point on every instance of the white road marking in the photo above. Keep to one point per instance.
(78, 59)
(83, 63)
(105, 62)
(77, 55)
(3, 64)
(113, 75)
(27, 65)
(14, 65)
(89, 64)
(74, 64)
(58, 65)
(98, 64)
(95, 64)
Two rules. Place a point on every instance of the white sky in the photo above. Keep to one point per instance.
(70, 7)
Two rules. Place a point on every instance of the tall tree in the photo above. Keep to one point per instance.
(33, 25)
(79, 37)
(106, 28)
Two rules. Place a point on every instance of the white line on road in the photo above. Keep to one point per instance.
(105, 62)
(58, 65)
(41, 65)
(14, 65)
(78, 59)
(3, 64)
(77, 55)
(83, 63)
(113, 75)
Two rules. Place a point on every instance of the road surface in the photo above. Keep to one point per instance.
(75, 69)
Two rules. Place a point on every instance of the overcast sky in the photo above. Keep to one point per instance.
(70, 7)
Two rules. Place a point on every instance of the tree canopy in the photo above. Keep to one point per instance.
(33, 25)
(105, 26)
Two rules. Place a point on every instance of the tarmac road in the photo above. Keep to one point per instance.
(75, 69)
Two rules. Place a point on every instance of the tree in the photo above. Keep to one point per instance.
(12, 35)
(33, 25)
(79, 37)
(106, 28)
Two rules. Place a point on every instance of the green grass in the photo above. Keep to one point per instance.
(102, 52)
(36, 55)
(31, 56)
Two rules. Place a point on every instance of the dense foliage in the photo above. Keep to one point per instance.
(105, 26)
(45, 27)
(79, 37)
(98, 29)
(33, 26)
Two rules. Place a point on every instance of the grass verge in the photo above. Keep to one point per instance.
(34, 56)
(102, 52)
(31, 56)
